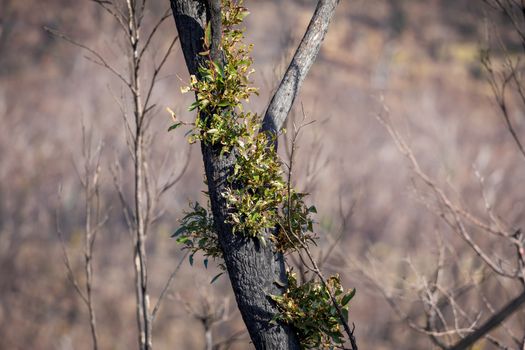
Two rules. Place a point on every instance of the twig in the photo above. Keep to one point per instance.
(67, 261)
(101, 61)
(456, 213)
(167, 286)
(314, 267)
(89, 180)
(505, 312)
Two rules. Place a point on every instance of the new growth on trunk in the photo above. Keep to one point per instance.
(255, 217)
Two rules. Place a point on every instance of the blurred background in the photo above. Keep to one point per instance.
(419, 59)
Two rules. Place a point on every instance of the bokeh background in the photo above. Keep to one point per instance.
(421, 59)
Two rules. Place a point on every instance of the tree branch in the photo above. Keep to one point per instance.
(304, 57)
(513, 306)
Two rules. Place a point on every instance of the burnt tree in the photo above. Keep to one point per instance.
(253, 268)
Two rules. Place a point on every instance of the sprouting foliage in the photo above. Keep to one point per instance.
(295, 226)
(197, 233)
(222, 87)
(309, 309)
(258, 195)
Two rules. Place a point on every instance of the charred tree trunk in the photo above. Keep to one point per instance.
(252, 268)
(255, 271)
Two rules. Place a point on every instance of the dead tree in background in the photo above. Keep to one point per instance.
(89, 177)
(138, 110)
(252, 268)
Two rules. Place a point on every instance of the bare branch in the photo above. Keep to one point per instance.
(67, 261)
(156, 72)
(101, 60)
(166, 15)
(167, 287)
(314, 267)
(113, 11)
(456, 213)
(505, 312)
(176, 178)
(89, 181)
(129, 216)
(303, 59)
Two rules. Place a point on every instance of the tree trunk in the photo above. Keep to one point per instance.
(253, 269)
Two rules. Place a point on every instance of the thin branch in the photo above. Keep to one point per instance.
(226, 343)
(175, 179)
(455, 212)
(156, 72)
(166, 15)
(101, 61)
(302, 245)
(129, 216)
(167, 287)
(115, 12)
(505, 327)
(67, 261)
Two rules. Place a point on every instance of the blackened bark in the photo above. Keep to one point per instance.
(255, 271)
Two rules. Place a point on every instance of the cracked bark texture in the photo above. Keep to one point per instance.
(253, 268)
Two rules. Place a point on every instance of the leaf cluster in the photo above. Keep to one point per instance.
(295, 226)
(222, 87)
(197, 233)
(309, 309)
(257, 188)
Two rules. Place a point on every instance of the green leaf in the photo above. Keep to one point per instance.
(204, 103)
(243, 14)
(346, 299)
(183, 239)
(206, 263)
(174, 126)
(191, 259)
(194, 105)
(216, 277)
